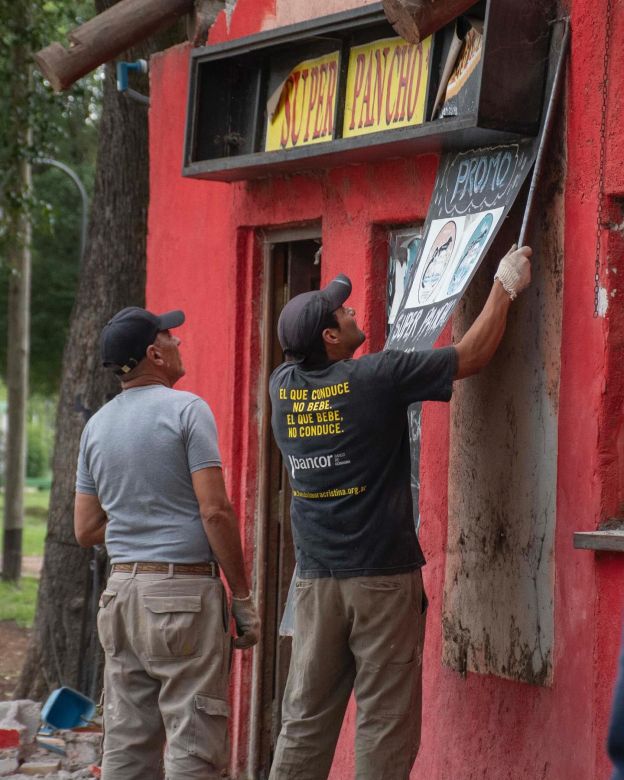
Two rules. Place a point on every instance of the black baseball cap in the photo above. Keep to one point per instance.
(125, 338)
(301, 321)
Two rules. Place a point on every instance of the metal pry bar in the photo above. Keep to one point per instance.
(548, 122)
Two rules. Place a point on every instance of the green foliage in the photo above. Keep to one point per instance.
(17, 602)
(38, 454)
(40, 437)
(36, 504)
(33, 536)
(64, 127)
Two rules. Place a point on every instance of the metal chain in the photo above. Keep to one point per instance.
(603, 154)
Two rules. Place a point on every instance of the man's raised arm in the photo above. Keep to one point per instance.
(481, 340)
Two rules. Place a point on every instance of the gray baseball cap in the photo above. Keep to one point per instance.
(301, 320)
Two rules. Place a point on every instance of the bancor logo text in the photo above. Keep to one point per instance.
(304, 464)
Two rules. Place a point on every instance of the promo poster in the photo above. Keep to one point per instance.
(403, 246)
(473, 193)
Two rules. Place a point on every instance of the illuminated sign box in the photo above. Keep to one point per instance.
(345, 88)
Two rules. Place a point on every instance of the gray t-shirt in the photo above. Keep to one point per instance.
(137, 454)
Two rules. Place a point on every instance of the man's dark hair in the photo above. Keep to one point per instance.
(318, 353)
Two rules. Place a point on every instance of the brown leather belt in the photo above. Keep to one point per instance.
(205, 569)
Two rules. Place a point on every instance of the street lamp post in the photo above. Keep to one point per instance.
(83, 195)
(17, 375)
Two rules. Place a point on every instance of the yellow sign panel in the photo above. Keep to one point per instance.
(386, 86)
(305, 105)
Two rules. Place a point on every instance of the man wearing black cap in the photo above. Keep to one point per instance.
(149, 484)
(359, 608)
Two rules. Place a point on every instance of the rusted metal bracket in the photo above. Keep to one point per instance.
(609, 537)
(610, 541)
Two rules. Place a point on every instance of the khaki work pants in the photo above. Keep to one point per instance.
(364, 634)
(168, 647)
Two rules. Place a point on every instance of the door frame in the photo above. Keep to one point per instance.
(268, 238)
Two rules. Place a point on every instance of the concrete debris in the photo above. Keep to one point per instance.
(25, 713)
(9, 763)
(53, 744)
(39, 768)
(80, 774)
(82, 748)
(61, 774)
(19, 723)
(61, 755)
(10, 737)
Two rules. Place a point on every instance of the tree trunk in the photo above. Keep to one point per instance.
(64, 649)
(18, 309)
(18, 354)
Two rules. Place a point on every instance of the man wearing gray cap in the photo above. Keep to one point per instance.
(150, 485)
(359, 608)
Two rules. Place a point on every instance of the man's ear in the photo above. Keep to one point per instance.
(154, 355)
(331, 335)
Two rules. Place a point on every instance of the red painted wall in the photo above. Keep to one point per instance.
(204, 258)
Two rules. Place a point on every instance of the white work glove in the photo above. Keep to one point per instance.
(514, 270)
(247, 622)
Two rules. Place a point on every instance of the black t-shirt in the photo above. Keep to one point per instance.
(342, 430)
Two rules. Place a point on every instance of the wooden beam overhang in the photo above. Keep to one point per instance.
(415, 20)
(117, 29)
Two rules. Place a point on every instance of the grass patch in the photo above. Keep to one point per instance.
(17, 602)
(33, 538)
(36, 504)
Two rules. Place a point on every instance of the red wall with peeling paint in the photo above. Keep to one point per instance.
(203, 257)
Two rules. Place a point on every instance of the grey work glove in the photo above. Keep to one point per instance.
(514, 270)
(247, 622)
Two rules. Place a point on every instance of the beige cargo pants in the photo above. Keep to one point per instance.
(168, 648)
(363, 634)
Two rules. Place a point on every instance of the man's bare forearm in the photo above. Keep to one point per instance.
(221, 527)
(481, 341)
(89, 520)
(95, 536)
(478, 346)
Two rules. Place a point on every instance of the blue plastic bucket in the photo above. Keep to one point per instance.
(67, 709)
